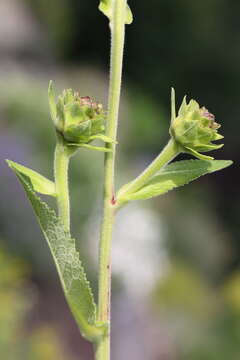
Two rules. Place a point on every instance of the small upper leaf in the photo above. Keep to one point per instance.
(106, 7)
(174, 175)
(73, 278)
(39, 183)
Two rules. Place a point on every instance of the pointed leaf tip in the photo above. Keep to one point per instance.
(173, 105)
(198, 155)
(38, 182)
(51, 100)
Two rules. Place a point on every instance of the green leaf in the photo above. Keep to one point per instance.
(91, 147)
(39, 183)
(104, 138)
(106, 7)
(174, 175)
(73, 279)
(197, 154)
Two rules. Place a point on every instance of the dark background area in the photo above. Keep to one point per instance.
(176, 276)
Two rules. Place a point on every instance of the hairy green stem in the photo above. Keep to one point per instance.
(170, 151)
(117, 26)
(61, 162)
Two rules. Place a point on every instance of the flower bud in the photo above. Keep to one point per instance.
(194, 129)
(77, 118)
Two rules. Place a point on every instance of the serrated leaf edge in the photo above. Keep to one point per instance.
(93, 331)
(132, 196)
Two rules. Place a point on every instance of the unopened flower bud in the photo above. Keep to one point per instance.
(194, 129)
(77, 118)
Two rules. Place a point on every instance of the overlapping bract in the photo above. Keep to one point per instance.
(78, 119)
(194, 129)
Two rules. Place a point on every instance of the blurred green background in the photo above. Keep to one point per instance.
(176, 273)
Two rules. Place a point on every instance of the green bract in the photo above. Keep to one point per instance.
(78, 119)
(194, 128)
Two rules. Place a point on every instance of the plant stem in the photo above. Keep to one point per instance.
(117, 26)
(170, 151)
(61, 162)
